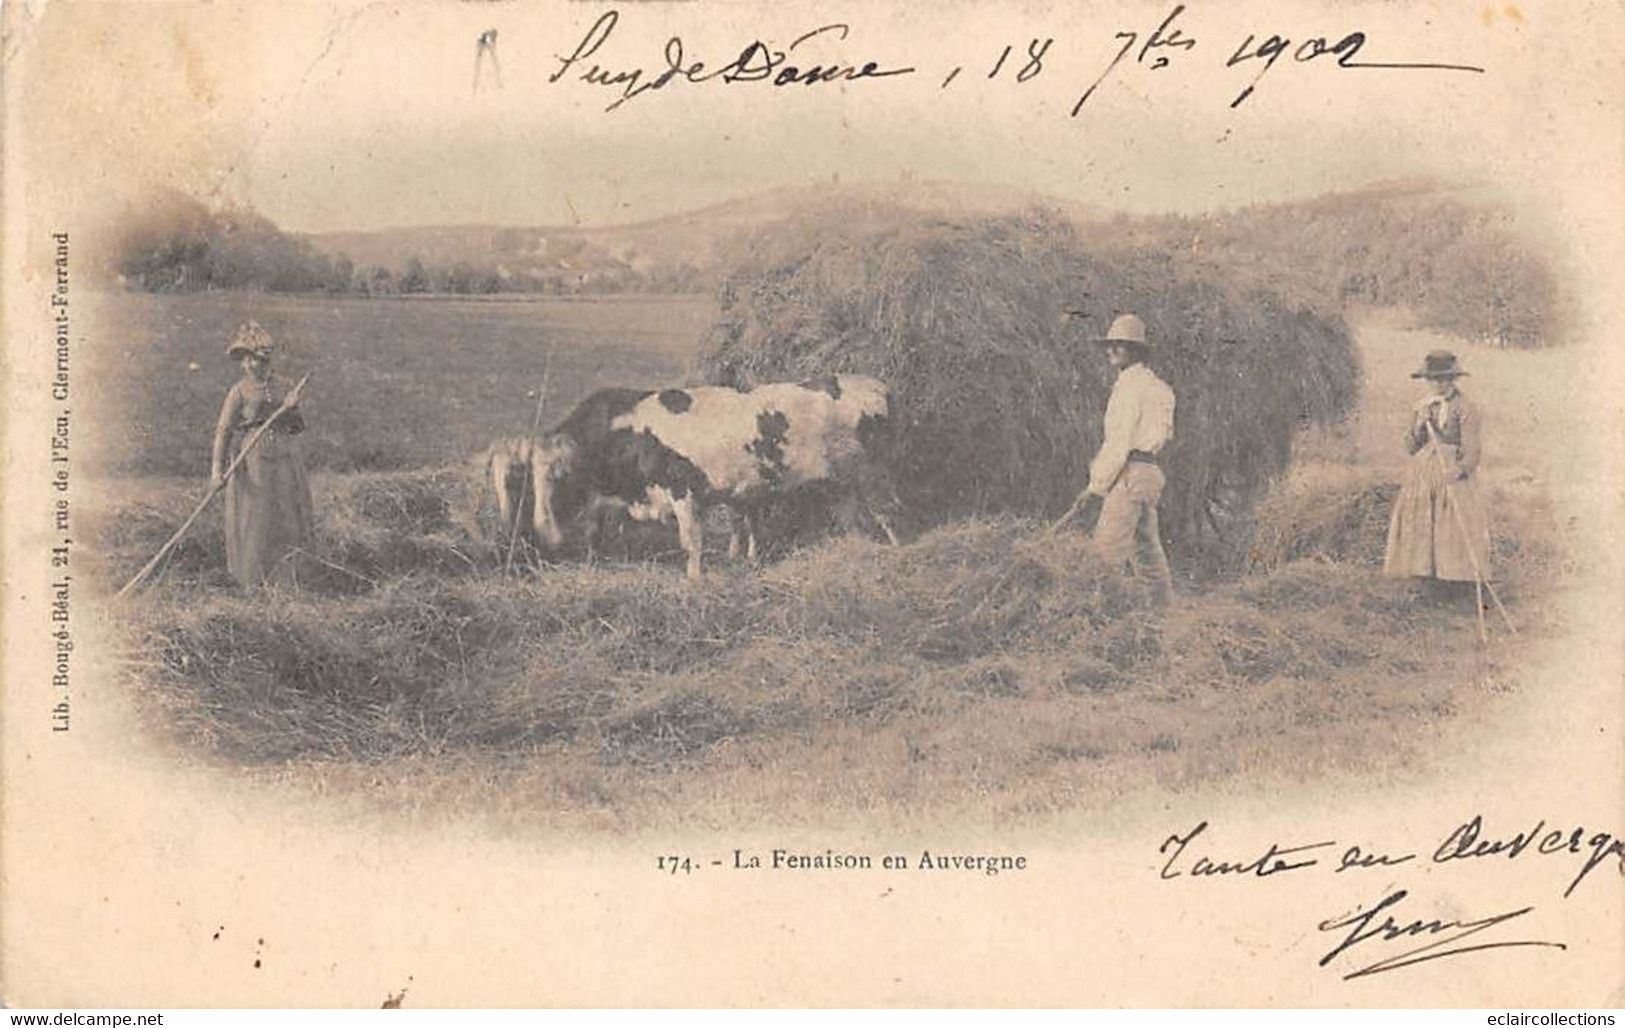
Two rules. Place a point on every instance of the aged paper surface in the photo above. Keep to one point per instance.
(155, 854)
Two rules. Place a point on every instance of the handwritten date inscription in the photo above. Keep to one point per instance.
(819, 56)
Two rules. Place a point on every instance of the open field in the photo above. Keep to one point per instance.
(396, 383)
(983, 670)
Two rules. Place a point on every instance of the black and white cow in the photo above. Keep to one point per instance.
(673, 453)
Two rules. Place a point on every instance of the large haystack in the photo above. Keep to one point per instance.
(1001, 397)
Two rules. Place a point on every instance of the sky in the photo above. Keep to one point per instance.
(331, 117)
(531, 150)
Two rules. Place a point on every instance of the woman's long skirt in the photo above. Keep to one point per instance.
(1439, 528)
(269, 513)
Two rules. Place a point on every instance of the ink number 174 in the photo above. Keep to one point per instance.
(672, 865)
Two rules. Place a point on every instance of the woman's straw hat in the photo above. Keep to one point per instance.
(251, 338)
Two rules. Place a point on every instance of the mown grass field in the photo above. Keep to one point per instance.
(395, 383)
(984, 670)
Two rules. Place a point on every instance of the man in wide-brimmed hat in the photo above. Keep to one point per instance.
(1127, 472)
(1439, 529)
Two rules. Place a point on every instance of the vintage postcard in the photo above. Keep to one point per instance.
(532, 503)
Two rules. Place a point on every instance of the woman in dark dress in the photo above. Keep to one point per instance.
(268, 505)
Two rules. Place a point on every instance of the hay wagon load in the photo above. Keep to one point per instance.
(1000, 397)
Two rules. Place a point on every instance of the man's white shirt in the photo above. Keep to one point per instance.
(1139, 416)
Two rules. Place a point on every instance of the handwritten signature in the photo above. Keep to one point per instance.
(1191, 855)
(1364, 927)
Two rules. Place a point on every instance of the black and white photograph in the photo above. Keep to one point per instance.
(699, 504)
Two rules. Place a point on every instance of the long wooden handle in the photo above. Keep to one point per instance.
(1466, 538)
(1071, 512)
(530, 470)
(215, 489)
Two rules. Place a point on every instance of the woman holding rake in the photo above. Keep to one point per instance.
(1439, 531)
(268, 503)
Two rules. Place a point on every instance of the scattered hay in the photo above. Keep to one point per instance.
(416, 503)
(127, 536)
(369, 528)
(1089, 674)
(676, 726)
(991, 678)
(506, 664)
(636, 667)
(962, 592)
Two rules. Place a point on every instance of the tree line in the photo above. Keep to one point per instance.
(466, 279)
(1461, 267)
(180, 245)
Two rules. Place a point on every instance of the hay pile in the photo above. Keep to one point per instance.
(1329, 513)
(1001, 400)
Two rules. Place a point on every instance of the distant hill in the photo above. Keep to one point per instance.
(678, 251)
(1453, 255)
(176, 244)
